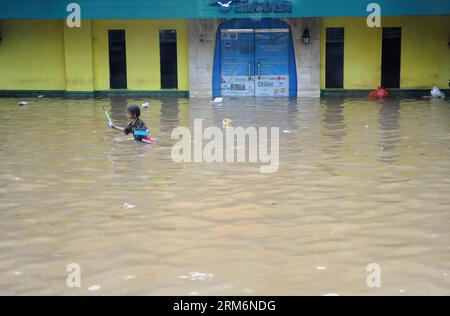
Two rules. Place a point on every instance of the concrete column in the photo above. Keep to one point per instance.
(202, 40)
(78, 57)
(307, 56)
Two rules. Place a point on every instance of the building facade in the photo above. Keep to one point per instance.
(206, 48)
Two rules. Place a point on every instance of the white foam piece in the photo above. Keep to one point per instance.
(437, 93)
(94, 288)
(127, 206)
(217, 100)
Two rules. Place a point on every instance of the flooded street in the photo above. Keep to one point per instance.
(359, 182)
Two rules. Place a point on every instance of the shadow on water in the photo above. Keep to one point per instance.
(118, 109)
(257, 112)
(333, 120)
(169, 115)
(389, 129)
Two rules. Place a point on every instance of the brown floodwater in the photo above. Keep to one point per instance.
(359, 182)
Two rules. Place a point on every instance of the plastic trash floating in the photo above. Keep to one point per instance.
(145, 105)
(127, 206)
(217, 100)
(436, 93)
(226, 122)
(379, 93)
(94, 288)
(23, 103)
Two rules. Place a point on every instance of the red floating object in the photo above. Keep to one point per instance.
(379, 93)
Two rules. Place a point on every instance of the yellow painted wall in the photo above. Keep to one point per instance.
(48, 55)
(142, 49)
(425, 59)
(78, 57)
(32, 55)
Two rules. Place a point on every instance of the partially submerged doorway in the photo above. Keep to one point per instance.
(254, 58)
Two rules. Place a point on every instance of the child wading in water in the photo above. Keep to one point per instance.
(136, 127)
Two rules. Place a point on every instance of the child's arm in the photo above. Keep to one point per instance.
(117, 127)
(127, 130)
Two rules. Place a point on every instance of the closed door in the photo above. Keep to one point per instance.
(237, 62)
(255, 62)
(117, 60)
(272, 62)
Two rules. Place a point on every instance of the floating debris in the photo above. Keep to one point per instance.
(94, 288)
(286, 131)
(217, 100)
(127, 206)
(321, 268)
(331, 294)
(40, 96)
(23, 103)
(379, 93)
(437, 93)
(197, 276)
(145, 105)
(226, 122)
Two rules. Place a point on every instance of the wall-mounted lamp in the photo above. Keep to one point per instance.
(202, 37)
(306, 37)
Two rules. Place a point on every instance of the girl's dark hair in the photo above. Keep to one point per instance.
(134, 110)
